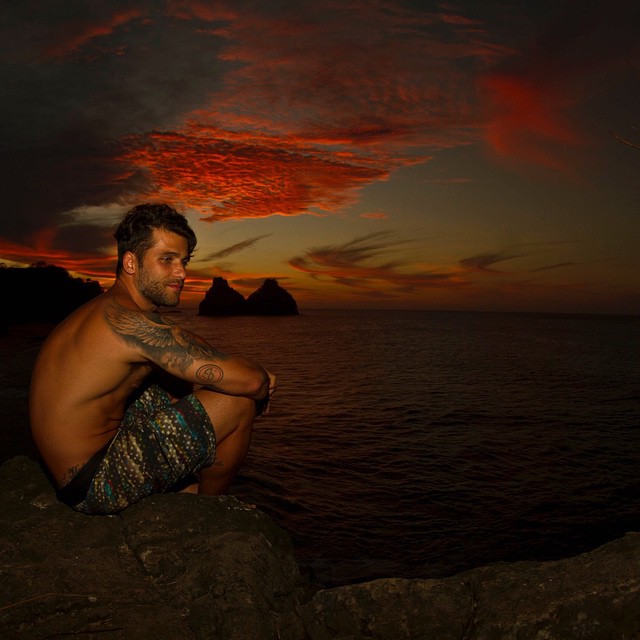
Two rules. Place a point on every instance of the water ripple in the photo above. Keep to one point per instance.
(422, 444)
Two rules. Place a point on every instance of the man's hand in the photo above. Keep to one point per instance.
(262, 405)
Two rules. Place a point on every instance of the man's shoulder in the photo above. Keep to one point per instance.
(84, 327)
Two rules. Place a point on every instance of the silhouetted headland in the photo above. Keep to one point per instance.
(269, 300)
(42, 293)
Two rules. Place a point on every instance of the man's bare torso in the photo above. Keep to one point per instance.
(81, 381)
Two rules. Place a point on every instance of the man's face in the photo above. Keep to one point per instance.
(161, 273)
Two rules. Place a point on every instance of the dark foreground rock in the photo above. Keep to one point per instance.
(189, 567)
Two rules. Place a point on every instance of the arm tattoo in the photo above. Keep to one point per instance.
(209, 374)
(164, 342)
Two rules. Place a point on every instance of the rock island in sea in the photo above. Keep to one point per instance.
(269, 300)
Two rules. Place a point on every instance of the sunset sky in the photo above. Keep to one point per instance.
(375, 154)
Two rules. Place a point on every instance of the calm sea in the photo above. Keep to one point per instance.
(421, 444)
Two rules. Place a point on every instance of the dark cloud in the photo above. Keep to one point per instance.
(361, 264)
(42, 184)
(255, 282)
(234, 248)
(76, 78)
(484, 262)
(560, 265)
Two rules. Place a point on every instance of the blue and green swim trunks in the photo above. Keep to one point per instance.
(159, 444)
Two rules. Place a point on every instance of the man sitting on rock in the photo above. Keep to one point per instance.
(106, 413)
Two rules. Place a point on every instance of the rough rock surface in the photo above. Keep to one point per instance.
(173, 566)
(189, 567)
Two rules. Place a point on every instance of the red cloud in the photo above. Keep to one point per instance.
(247, 176)
(526, 119)
(531, 99)
(41, 247)
(77, 34)
(313, 109)
(395, 79)
(90, 265)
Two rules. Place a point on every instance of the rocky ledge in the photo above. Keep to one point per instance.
(186, 567)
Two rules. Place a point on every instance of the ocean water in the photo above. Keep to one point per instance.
(421, 444)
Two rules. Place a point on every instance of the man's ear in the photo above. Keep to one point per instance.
(129, 262)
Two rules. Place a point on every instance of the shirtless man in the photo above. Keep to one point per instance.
(105, 413)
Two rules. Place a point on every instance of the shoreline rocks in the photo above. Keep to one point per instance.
(182, 566)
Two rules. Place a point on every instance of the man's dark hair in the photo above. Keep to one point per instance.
(135, 232)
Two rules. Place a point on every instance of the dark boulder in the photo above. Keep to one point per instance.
(189, 567)
(174, 567)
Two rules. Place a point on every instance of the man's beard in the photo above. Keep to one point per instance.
(156, 291)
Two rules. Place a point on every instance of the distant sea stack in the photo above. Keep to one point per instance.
(222, 300)
(269, 300)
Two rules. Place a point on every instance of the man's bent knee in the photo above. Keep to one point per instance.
(227, 413)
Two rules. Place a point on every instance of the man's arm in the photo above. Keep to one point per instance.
(186, 355)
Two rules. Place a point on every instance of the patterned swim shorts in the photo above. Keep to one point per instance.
(159, 444)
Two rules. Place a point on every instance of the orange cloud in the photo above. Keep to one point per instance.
(265, 110)
(207, 11)
(374, 215)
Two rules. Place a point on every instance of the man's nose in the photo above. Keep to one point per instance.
(180, 271)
